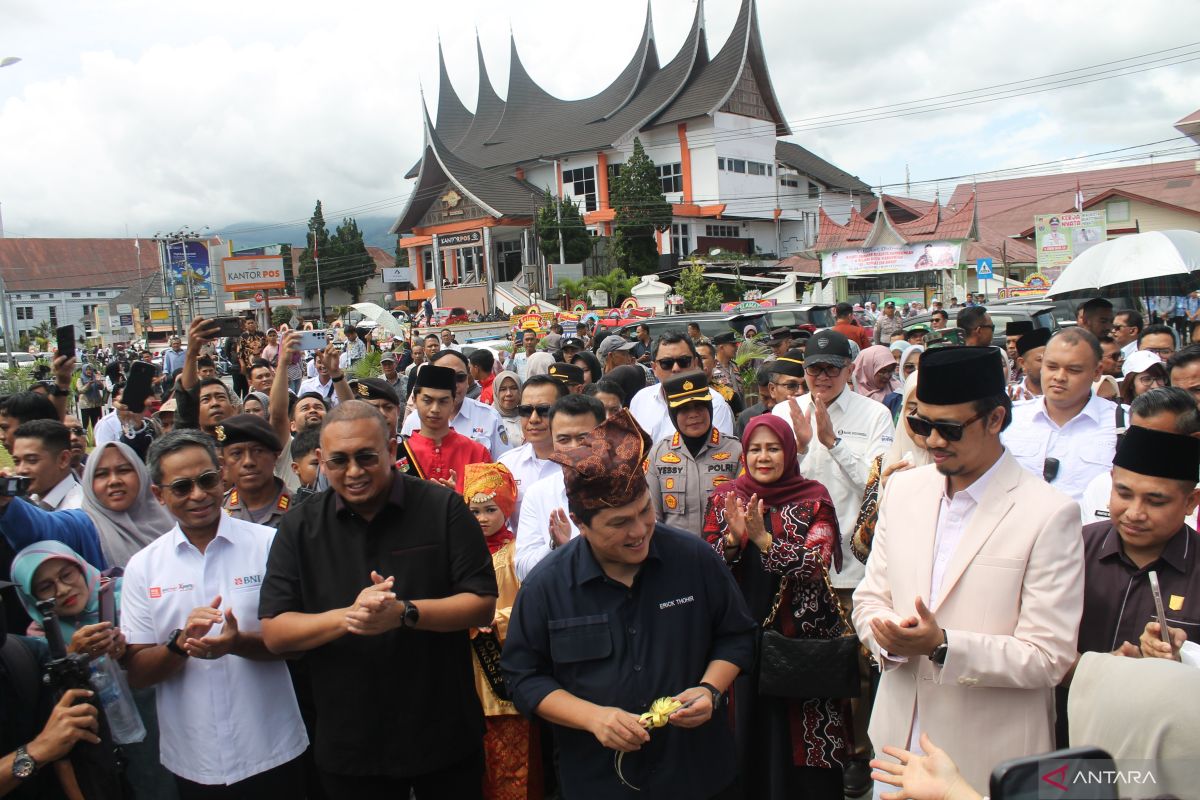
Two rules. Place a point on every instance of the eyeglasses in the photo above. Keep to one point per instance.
(1162, 352)
(526, 410)
(338, 462)
(828, 370)
(207, 481)
(791, 386)
(77, 431)
(950, 431)
(684, 362)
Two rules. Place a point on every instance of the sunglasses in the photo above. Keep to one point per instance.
(950, 431)
(828, 370)
(684, 362)
(791, 386)
(525, 410)
(77, 431)
(207, 481)
(338, 462)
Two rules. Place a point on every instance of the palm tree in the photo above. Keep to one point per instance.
(616, 283)
(571, 290)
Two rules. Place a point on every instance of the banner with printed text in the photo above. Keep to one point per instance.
(891, 258)
(1061, 237)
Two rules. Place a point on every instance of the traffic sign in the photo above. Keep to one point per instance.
(983, 268)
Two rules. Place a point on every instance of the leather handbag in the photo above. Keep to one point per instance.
(808, 668)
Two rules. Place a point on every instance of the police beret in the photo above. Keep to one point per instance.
(688, 387)
(728, 337)
(570, 374)
(247, 428)
(374, 389)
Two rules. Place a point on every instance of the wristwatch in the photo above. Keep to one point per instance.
(58, 391)
(173, 645)
(716, 694)
(23, 764)
(411, 615)
(938, 656)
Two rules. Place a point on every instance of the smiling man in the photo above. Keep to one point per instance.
(436, 451)
(42, 453)
(629, 612)
(531, 462)
(673, 353)
(471, 418)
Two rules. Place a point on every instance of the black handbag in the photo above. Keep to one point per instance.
(808, 668)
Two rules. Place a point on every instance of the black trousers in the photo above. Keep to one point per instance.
(461, 781)
(284, 781)
(241, 384)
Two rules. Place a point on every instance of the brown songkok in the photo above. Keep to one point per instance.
(606, 471)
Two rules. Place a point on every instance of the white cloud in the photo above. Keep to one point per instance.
(123, 114)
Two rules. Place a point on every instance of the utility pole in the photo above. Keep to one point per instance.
(317, 267)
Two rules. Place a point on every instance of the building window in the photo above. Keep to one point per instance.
(25, 312)
(54, 316)
(1118, 211)
(814, 192)
(720, 162)
(736, 165)
(680, 241)
(101, 294)
(671, 177)
(723, 231)
(34, 296)
(75, 294)
(614, 172)
(789, 179)
(427, 260)
(581, 182)
(756, 168)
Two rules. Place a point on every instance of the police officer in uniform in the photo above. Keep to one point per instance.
(571, 376)
(249, 449)
(684, 468)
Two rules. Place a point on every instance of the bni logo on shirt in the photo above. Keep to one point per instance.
(248, 580)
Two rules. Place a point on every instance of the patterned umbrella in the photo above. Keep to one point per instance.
(1139, 265)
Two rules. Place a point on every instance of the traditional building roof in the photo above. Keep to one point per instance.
(808, 163)
(1189, 126)
(933, 226)
(66, 264)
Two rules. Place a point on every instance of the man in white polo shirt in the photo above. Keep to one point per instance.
(673, 353)
(229, 725)
(531, 462)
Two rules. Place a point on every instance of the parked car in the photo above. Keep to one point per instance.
(805, 316)
(1064, 309)
(1042, 315)
(449, 316)
(710, 324)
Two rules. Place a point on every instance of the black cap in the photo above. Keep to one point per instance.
(389, 356)
(569, 374)
(374, 389)
(953, 375)
(779, 334)
(431, 376)
(728, 337)
(1018, 327)
(687, 387)
(1158, 454)
(247, 428)
(828, 347)
(790, 363)
(572, 341)
(889, 304)
(1038, 337)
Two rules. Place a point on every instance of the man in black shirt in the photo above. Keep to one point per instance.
(624, 614)
(377, 580)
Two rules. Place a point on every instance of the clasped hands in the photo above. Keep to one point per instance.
(376, 610)
(815, 421)
(196, 641)
(744, 522)
(910, 637)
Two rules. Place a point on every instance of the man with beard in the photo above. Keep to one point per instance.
(249, 450)
(1096, 317)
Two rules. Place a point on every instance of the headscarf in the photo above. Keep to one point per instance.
(263, 398)
(791, 488)
(25, 564)
(496, 384)
(904, 441)
(538, 364)
(911, 352)
(123, 533)
(492, 482)
(630, 377)
(869, 362)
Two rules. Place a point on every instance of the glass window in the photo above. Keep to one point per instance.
(1118, 211)
(814, 191)
(723, 231)
(581, 183)
(680, 241)
(614, 171)
(737, 165)
(756, 168)
(671, 177)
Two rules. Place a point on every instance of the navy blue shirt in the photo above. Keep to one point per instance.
(576, 629)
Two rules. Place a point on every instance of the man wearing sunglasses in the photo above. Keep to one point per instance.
(673, 354)
(189, 610)
(377, 583)
(977, 326)
(471, 418)
(436, 451)
(974, 589)
(531, 462)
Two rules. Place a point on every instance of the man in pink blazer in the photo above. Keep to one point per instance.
(974, 587)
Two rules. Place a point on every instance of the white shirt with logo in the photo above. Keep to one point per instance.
(226, 719)
(527, 469)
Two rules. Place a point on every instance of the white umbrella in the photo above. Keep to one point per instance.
(1139, 265)
(381, 317)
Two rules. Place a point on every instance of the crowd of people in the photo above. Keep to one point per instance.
(594, 567)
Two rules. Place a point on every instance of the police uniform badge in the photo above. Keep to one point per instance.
(220, 433)
(364, 390)
(670, 501)
(670, 483)
(669, 458)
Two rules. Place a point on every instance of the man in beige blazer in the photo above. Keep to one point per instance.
(974, 587)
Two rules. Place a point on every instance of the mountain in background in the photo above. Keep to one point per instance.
(255, 234)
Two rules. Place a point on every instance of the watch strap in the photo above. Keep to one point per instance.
(24, 765)
(173, 645)
(938, 656)
(716, 694)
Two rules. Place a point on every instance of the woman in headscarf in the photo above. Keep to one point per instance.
(910, 361)
(505, 399)
(512, 759)
(875, 377)
(89, 393)
(631, 378)
(779, 534)
(538, 364)
(256, 403)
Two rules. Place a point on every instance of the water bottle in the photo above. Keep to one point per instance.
(112, 689)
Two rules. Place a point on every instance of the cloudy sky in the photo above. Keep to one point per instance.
(129, 117)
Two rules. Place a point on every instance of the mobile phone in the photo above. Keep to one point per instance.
(66, 341)
(229, 327)
(313, 340)
(108, 606)
(14, 486)
(1158, 608)
(138, 386)
(1028, 777)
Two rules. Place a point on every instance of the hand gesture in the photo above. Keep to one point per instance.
(617, 729)
(202, 619)
(1152, 645)
(735, 521)
(331, 357)
(933, 776)
(801, 425)
(289, 345)
(450, 483)
(897, 466)
(822, 422)
(756, 528)
(4, 498)
(201, 332)
(215, 646)
(1018, 392)
(374, 609)
(697, 708)
(911, 637)
(73, 719)
(63, 368)
(560, 527)
(93, 641)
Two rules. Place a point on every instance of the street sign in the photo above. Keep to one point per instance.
(983, 268)
(253, 272)
(397, 275)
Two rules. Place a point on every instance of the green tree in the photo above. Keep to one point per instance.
(353, 265)
(698, 295)
(280, 315)
(577, 242)
(316, 240)
(615, 282)
(571, 291)
(639, 210)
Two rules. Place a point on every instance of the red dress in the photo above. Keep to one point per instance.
(426, 459)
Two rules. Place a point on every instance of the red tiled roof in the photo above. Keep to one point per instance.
(57, 264)
(925, 224)
(805, 265)
(911, 205)
(933, 226)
